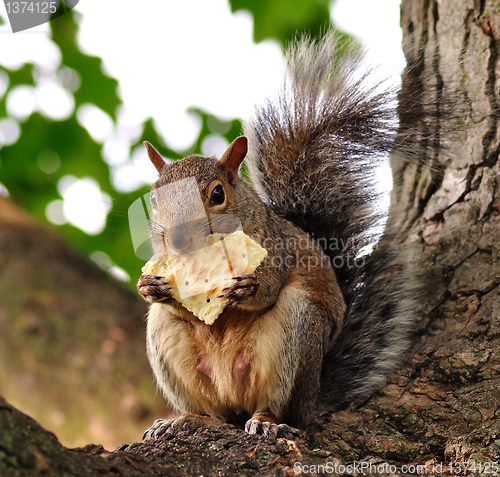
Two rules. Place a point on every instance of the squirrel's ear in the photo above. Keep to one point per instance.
(233, 158)
(155, 157)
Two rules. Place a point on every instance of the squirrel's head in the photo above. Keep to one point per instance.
(194, 197)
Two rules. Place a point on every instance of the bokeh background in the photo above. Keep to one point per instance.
(78, 96)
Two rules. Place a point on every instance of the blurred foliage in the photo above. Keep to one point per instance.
(95, 87)
(80, 155)
(282, 20)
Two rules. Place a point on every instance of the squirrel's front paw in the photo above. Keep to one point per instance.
(241, 289)
(152, 289)
(186, 422)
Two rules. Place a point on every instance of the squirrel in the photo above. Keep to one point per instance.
(321, 322)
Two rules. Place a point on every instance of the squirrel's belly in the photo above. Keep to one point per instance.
(199, 373)
(230, 381)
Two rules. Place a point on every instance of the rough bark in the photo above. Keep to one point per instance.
(442, 406)
(28, 450)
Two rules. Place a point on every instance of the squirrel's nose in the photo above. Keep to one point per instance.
(178, 239)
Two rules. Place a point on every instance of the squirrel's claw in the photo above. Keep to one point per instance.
(270, 429)
(159, 428)
(152, 289)
(241, 289)
(186, 422)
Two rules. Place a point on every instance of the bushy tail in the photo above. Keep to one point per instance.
(313, 156)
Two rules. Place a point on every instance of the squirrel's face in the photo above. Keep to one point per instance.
(193, 198)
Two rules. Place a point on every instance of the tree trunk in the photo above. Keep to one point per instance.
(442, 406)
(441, 409)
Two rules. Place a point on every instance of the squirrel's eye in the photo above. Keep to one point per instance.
(152, 198)
(217, 196)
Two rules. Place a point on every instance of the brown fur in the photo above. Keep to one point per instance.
(247, 363)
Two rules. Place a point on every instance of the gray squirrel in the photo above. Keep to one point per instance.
(321, 322)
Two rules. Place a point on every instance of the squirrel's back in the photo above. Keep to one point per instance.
(313, 156)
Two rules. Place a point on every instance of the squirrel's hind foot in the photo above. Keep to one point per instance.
(186, 422)
(270, 429)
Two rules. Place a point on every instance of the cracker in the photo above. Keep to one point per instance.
(198, 278)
